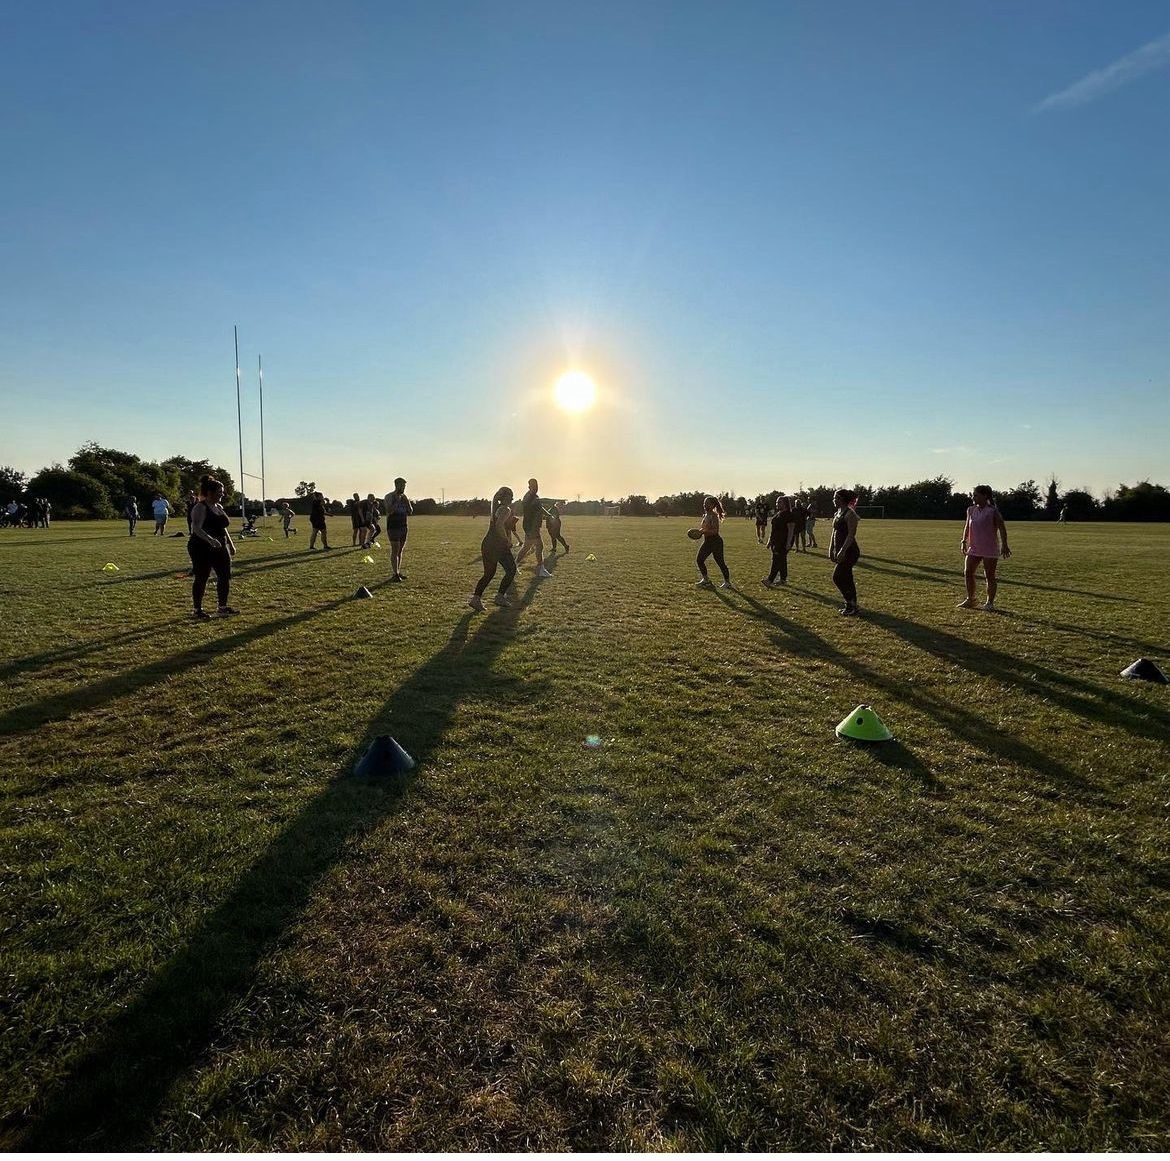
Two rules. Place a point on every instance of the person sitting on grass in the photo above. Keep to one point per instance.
(982, 535)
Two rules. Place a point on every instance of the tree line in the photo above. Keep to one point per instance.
(96, 482)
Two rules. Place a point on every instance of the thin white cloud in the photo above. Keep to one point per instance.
(1147, 59)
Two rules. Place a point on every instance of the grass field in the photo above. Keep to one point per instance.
(722, 929)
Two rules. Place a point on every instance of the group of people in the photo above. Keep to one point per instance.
(37, 513)
(496, 547)
(211, 548)
(802, 516)
(984, 542)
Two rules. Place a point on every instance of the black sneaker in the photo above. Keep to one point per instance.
(200, 615)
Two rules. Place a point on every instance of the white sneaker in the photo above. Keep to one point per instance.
(705, 583)
(727, 585)
(475, 603)
(542, 571)
(503, 599)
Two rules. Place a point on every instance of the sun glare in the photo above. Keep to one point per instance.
(575, 391)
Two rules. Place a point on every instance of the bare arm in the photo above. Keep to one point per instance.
(966, 534)
(197, 514)
(1001, 528)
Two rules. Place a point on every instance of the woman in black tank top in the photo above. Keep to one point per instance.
(211, 549)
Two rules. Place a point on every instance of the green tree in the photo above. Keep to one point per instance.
(1052, 500)
(305, 488)
(190, 472)
(73, 494)
(12, 484)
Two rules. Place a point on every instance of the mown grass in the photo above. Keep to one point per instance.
(722, 929)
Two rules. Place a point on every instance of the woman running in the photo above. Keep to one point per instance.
(497, 552)
(372, 512)
(982, 535)
(210, 548)
(843, 550)
(783, 533)
(553, 523)
(712, 544)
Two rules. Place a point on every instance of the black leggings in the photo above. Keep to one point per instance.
(712, 546)
(496, 555)
(204, 561)
(779, 565)
(843, 573)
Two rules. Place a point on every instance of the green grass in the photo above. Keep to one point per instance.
(722, 929)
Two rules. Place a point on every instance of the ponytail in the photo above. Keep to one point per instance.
(209, 484)
(503, 496)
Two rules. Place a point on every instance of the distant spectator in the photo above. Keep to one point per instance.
(130, 511)
(192, 500)
(161, 511)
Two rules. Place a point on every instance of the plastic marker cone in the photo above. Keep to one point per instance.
(367, 560)
(1143, 669)
(383, 757)
(363, 594)
(111, 567)
(863, 725)
(591, 557)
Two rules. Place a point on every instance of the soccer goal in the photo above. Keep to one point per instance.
(611, 510)
(871, 511)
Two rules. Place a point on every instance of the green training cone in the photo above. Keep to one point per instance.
(863, 725)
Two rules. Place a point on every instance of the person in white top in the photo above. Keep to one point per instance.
(161, 511)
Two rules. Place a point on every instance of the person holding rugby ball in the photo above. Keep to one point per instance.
(497, 552)
(712, 544)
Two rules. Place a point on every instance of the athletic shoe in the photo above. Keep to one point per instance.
(849, 611)
(705, 583)
(227, 611)
(767, 583)
(988, 606)
(475, 603)
(542, 571)
(503, 599)
(396, 580)
(727, 585)
(966, 604)
(200, 615)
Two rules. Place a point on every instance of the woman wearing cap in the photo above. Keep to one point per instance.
(497, 552)
(843, 549)
(398, 509)
(982, 536)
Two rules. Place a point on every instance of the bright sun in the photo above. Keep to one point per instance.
(575, 391)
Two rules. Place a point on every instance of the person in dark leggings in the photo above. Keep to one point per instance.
(497, 553)
(712, 544)
(211, 549)
(844, 551)
(130, 511)
(783, 531)
(553, 524)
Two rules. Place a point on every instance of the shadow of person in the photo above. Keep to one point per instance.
(112, 1094)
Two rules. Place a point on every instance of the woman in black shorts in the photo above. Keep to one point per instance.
(210, 548)
(843, 549)
(317, 522)
(497, 553)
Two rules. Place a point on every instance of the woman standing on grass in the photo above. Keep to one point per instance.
(130, 511)
(712, 544)
(317, 522)
(783, 533)
(210, 548)
(982, 535)
(497, 552)
(843, 550)
(398, 509)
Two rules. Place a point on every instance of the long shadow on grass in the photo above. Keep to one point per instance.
(111, 1096)
(80, 649)
(61, 705)
(972, 728)
(1077, 697)
(956, 575)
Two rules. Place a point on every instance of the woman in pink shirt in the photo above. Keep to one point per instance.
(982, 535)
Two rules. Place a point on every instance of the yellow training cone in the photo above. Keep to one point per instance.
(367, 560)
(111, 567)
(591, 557)
(863, 725)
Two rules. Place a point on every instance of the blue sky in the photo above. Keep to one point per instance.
(818, 242)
